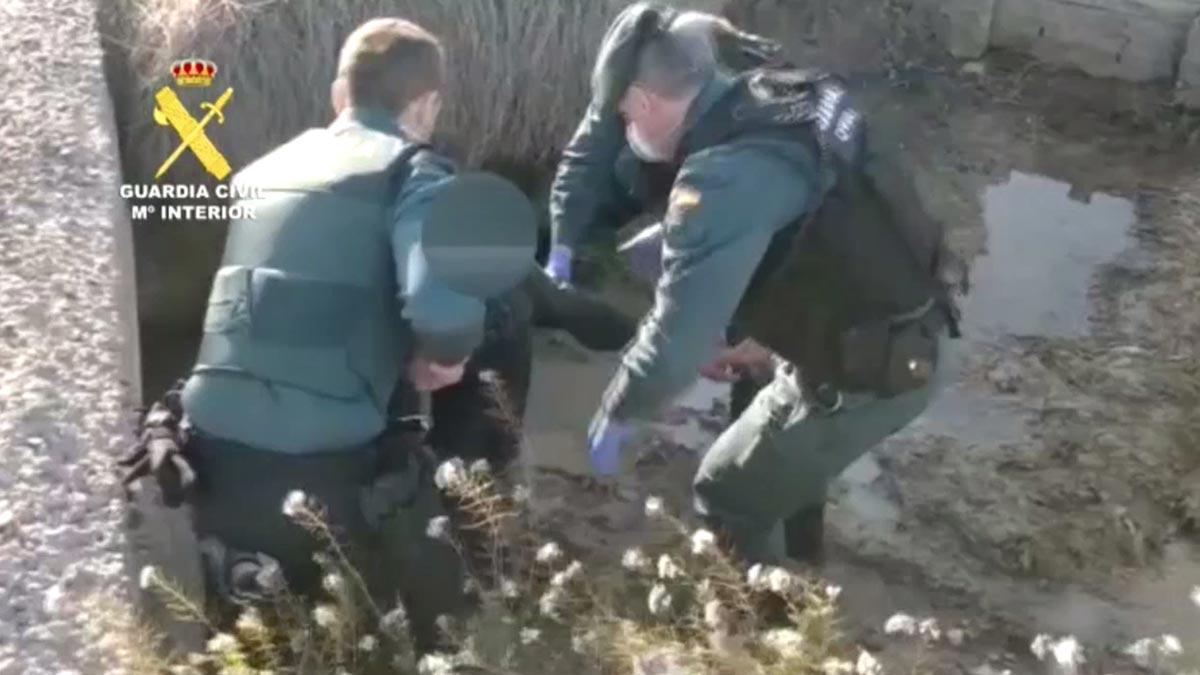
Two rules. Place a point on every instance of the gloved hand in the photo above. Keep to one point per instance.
(558, 264)
(157, 453)
(605, 442)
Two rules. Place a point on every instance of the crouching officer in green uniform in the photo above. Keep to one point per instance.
(367, 266)
(777, 228)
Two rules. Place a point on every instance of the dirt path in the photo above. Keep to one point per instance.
(1054, 488)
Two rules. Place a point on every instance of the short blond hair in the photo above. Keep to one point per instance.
(389, 63)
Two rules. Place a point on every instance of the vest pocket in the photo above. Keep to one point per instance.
(295, 311)
(229, 301)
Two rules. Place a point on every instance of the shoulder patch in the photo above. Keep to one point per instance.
(684, 198)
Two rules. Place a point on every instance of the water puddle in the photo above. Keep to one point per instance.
(1155, 603)
(1045, 241)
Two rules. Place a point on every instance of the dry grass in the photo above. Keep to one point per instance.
(687, 608)
(518, 69)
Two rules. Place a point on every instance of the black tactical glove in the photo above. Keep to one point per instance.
(158, 453)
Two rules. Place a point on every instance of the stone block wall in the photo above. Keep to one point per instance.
(1136, 40)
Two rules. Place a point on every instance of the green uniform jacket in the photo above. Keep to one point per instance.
(439, 323)
(727, 203)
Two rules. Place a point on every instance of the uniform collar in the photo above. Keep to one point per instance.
(717, 87)
(375, 119)
(712, 91)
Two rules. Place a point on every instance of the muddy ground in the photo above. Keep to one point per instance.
(1055, 487)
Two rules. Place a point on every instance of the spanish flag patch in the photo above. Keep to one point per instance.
(684, 198)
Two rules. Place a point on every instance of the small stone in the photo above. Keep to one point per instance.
(1005, 378)
(977, 68)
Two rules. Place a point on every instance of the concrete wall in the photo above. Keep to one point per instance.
(68, 371)
(1137, 40)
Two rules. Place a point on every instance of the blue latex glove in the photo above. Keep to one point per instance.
(558, 264)
(605, 441)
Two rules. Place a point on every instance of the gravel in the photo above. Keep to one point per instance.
(65, 356)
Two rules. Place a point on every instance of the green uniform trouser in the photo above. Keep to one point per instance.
(778, 458)
(378, 499)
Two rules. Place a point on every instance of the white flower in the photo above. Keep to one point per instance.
(250, 621)
(521, 494)
(900, 624)
(583, 643)
(668, 569)
(325, 616)
(635, 560)
(367, 644)
(480, 468)
(659, 600)
(561, 579)
(867, 664)
(148, 577)
(551, 602)
(1196, 596)
(786, 641)
(716, 616)
(929, 629)
(573, 570)
(438, 528)
(779, 580)
(704, 542)
(450, 474)
(549, 554)
(659, 662)
(294, 503)
(654, 507)
(435, 664)
(833, 592)
(1065, 653)
(334, 584)
(837, 667)
(509, 589)
(530, 635)
(222, 643)
(1155, 653)
(754, 576)
(395, 620)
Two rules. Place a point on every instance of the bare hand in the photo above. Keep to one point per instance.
(746, 359)
(428, 375)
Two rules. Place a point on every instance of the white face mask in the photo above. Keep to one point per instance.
(641, 147)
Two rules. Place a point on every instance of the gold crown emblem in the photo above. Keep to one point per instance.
(193, 72)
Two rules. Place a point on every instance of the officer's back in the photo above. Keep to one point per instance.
(305, 337)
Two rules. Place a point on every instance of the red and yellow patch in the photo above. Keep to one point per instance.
(684, 199)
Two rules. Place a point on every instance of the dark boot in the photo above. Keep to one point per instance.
(592, 322)
(804, 535)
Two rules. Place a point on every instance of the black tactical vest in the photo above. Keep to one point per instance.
(850, 292)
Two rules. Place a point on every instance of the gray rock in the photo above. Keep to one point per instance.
(1189, 69)
(1138, 40)
(965, 26)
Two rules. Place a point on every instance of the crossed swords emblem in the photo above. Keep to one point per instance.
(169, 110)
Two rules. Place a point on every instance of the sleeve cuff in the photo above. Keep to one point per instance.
(448, 347)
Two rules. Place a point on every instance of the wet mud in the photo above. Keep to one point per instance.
(1053, 487)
